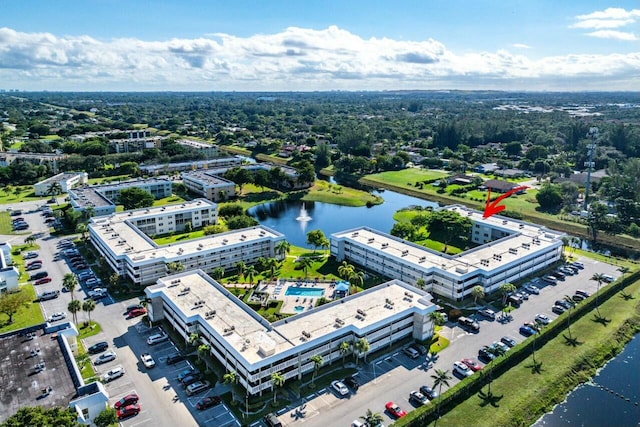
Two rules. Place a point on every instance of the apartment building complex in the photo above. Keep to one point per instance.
(510, 250)
(245, 343)
(208, 185)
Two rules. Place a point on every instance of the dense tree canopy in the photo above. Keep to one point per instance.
(29, 416)
(135, 198)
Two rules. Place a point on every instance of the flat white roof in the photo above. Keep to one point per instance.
(521, 233)
(123, 238)
(255, 339)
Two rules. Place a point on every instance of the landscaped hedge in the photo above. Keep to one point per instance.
(472, 385)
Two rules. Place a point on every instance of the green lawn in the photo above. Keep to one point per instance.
(6, 226)
(425, 240)
(406, 176)
(28, 316)
(19, 263)
(8, 195)
(51, 137)
(85, 330)
(108, 179)
(165, 240)
(527, 391)
(322, 191)
(171, 200)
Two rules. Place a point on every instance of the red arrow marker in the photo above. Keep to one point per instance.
(492, 208)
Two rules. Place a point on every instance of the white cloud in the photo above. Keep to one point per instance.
(602, 23)
(611, 13)
(611, 34)
(293, 59)
(521, 46)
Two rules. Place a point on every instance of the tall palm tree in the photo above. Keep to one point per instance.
(175, 267)
(218, 273)
(74, 307)
(362, 347)
(317, 363)
(345, 270)
(477, 292)
(345, 347)
(30, 239)
(82, 229)
(624, 270)
(373, 419)
(440, 378)
(240, 268)
(250, 273)
(497, 352)
(88, 306)
(357, 278)
(231, 378)
(305, 264)
(282, 248)
(277, 381)
(273, 264)
(54, 190)
(598, 277)
(70, 283)
(202, 350)
(569, 300)
(193, 339)
(505, 289)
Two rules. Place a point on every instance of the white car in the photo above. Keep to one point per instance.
(542, 318)
(105, 357)
(340, 388)
(57, 316)
(147, 360)
(532, 289)
(30, 255)
(157, 338)
(113, 374)
(462, 369)
(97, 293)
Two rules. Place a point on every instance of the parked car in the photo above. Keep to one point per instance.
(57, 316)
(30, 255)
(500, 345)
(157, 338)
(469, 324)
(43, 281)
(97, 293)
(98, 347)
(462, 369)
(487, 313)
(128, 411)
(578, 264)
(559, 275)
(411, 352)
(485, 354)
(185, 373)
(197, 387)
(48, 295)
(472, 364)
(36, 266)
(340, 388)
(607, 278)
(429, 392)
(558, 309)
(129, 399)
(542, 318)
(522, 295)
(352, 382)
(567, 271)
(175, 358)
(147, 360)
(564, 303)
(272, 420)
(113, 374)
(38, 275)
(134, 307)
(532, 289)
(514, 300)
(577, 298)
(583, 293)
(208, 402)
(418, 397)
(550, 279)
(190, 379)
(508, 341)
(138, 312)
(527, 331)
(395, 410)
(105, 357)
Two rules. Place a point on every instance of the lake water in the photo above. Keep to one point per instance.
(592, 405)
(281, 216)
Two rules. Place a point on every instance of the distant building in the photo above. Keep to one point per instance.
(486, 168)
(204, 148)
(66, 180)
(208, 185)
(498, 186)
(510, 173)
(460, 179)
(91, 400)
(9, 274)
(190, 166)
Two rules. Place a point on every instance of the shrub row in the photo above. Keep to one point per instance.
(472, 385)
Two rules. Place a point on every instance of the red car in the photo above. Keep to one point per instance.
(128, 411)
(128, 400)
(395, 410)
(208, 402)
(472, 364)
(138, 312)
(43, 281)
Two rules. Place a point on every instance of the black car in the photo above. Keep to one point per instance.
(39, 275)
(564, 303)
(185, 373)
(429, 392)
(190, 379)
(485, 354)
(175, 358)
(352, 382)
(98, 347)
(508, 341)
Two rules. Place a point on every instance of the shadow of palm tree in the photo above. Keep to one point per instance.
(625, 296)
(602, 320)
(489, 399)
(572, 341)
(536, 367)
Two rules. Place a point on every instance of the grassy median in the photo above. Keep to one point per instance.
(524, 393)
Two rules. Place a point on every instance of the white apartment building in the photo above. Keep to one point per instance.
(123, 240)
(66, 181)
(511, 250)
(104, 198)
(208, 185)
(190, 166)
(208, 150)
(244, 342)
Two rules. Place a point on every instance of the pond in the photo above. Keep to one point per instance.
(295, 219)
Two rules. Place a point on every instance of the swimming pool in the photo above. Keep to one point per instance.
(298, 308)
(304, 292)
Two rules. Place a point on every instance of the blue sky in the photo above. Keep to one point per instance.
(319, 45)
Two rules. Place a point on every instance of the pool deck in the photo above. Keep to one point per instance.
(278, 292)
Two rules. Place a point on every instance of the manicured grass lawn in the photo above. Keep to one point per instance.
(165, 240)
(171, 200)
(25, 194)
(28, 316)
(235, 150)
(51, 137)
(521, 388)
(435, 244)
(85, 330)
(108, 179)
(253, 195)
(6, 227)
(406, 176)
(322, 191)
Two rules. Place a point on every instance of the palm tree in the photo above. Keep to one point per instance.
(88, 212)
(250, 273)
(88, 306)
(193, 338)
(70, 282)
(373, 419)
(202, 350)
(240, 267)
(477, 292)
(568, 299)
(345, 270)
(175, 267)
(440, 378)
(82, 229)
(282, 248)
(231, 378)
(30, 239)
(505, 289)
(74, 307)
(362, 347)
(345, 347)
(54, 190)
(305, 264)
(317, 363)
(357, 278)
(421, 283)
(218, 273)
(624, 270)
(273, 264)
(598, 277)
(277, 380)
(496, 351)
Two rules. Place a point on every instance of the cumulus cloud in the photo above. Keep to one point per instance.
(602, 21)
(293, 59)
(521, 46)
(612, 34)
